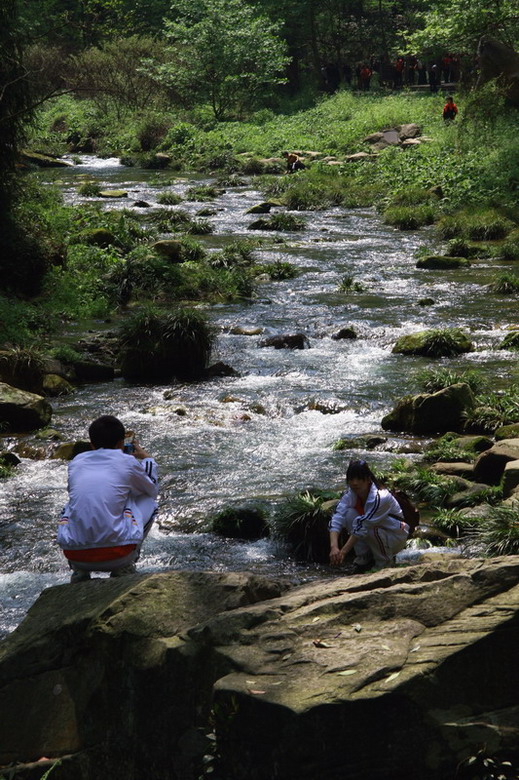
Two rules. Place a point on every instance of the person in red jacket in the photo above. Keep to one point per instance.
(450, 109)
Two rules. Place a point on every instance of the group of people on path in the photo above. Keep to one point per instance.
(112, 504)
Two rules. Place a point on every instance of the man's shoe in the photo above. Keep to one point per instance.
(80, 576)
(124, 570)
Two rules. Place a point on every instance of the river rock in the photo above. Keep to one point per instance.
(293, 684)
(260, 208)
(442, 262)
(456, 469)
(113, 194)
(55, 385)
(219, 369)
(411, 130)
(490, 465)
(510, 478)
(286, 341)
(346, 332)
(430, 413)
(243, 330)
(471, 493)
(507, 432)
(360, 156)
(510, 341)
(427, 342)
(92, 371)
(21, 411)
(44, 160)
(68, 450)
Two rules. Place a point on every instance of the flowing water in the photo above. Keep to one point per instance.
(255, 439)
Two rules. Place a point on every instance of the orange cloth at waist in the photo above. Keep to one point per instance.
(359, 505)
(99, 554)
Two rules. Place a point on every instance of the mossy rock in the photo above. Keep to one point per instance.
(97, 237)
(510, 341)
(507, 432)
(442, 262)
(44, 160)
(55, 385)
(430, 413)
(21, 411)
(113, 194)
(260, 208)
(434, 343)
(69, 450)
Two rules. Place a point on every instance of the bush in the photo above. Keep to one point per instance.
(409, 217)
(240, 523)
(156, 347)
(424, 485)
(202, 193)
(90, 189)
(506, 284)
(302, 522)
(430, 380)
(169, 198)
(347, 284)
(498, 532)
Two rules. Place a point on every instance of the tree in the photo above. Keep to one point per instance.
(222, 52)
(457, 25)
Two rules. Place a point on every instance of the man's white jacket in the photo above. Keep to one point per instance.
(103, 509)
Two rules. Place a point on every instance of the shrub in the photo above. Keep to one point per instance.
(452, 522)
(498, 532)
(199, 227)
(169, 198)
(302, 522)
(347, 284)
(240, 523)
(156, 347)
(430, 380)
(279, 270)
(506, 284)
(409, 217)
(203, 192)
(90, 189)
(424, 485)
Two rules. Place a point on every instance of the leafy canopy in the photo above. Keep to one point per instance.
(222, 52)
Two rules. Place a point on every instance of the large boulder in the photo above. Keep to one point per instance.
(490, 465)
(430, 413)
(402, 673)
(21, 411)
(511, 478)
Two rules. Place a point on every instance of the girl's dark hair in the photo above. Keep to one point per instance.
(106, 432)
(359, 469)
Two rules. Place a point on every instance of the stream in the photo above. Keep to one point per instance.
(253, 440)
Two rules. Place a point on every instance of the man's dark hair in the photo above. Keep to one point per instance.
(106, 432)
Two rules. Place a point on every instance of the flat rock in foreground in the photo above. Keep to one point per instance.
(402, 673)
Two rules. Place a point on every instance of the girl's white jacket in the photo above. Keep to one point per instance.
(103, 509)
(381, 510)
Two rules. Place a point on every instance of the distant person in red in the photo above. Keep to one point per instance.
(450, 109)
(365, 77)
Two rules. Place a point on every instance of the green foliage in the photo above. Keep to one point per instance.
(278, 270)
(240, 523)
(452, 522)
(65, 353)
(447, 451)
(506, 284)
(281, 222)
(498, 532)
(348, 284)
(156, 347)
(302, 522)
(430, 380)
(203, 192)
(475, 225)
(222, 52)
(494, 410)
(409, 217)
(90, 189)
(424, 485)
(169, 198)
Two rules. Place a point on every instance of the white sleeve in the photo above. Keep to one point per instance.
(144, 477)
(338, 518)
